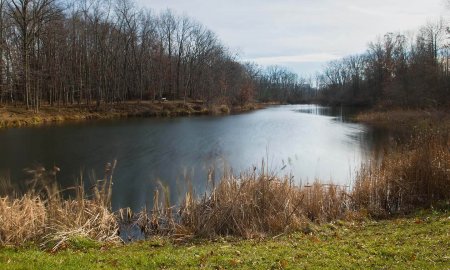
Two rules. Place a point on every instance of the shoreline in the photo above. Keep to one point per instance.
(13, 117)
(402, 117)
(18, 116)
(369, 221)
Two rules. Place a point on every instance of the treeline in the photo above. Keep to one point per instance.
(96, 51)
(107, 51)
(397, 70)
(278, 84)
(93, 52)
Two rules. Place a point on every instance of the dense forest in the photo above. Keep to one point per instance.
(397, 70)
(93, 52)
(96, 52)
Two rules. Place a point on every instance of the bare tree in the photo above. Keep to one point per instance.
(183, 32)
(30, 17)
(2, 47)
(80, 52)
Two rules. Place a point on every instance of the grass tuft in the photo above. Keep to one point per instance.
(412, 175)
(43, 216)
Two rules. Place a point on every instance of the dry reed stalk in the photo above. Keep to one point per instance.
(21, 219)
(410, 176)
(413, 175)
(255, 205)
(42, 214)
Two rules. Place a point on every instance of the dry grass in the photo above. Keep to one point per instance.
(11, 116)
(21, 219)
(413, 175)
(253, 204)
(410, 176)
(256, 205)
(406, 119)
(43, 216)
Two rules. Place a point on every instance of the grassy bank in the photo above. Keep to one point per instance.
(419, 241)
(406, 119)
(11, 116)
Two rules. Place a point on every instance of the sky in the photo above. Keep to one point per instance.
(302, 35)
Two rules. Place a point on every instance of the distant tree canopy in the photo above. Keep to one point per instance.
(397, 70)
(279, 84)
(107, 51)
(93, 52)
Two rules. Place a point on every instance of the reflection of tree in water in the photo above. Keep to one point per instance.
(374, 141)
(186, 151)
(339, 113)
(378, 140)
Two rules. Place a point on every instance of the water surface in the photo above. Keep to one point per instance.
(309, 141)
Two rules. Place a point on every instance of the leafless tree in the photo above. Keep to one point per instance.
(30, 17)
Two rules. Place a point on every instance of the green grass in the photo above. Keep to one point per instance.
(417, 242)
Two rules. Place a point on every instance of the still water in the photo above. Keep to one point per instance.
(307, 141)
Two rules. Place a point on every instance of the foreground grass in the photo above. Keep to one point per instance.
(416, 242)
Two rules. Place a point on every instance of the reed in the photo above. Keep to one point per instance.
(412, 175)
(253, 204)
(43, 216)
(21, 219)
(409, 176)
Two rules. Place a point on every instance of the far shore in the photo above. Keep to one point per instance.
(405, 118)
(19, 116)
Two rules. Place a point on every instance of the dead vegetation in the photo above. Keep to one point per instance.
(43, 216)
(253, 204)
(407, 120)
(416, 174)
(409, 176)
(18, 116)
(260, 204)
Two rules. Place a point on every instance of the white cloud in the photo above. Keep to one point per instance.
(302, 33)
(305, 58)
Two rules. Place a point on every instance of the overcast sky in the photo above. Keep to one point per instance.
(302, 34)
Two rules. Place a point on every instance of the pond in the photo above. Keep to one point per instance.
(308, 141)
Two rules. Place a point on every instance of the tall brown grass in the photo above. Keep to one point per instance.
(43, 216)
(411, 175)
(252, 204)
(21, 219)
(260, 204)
(415, 174)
